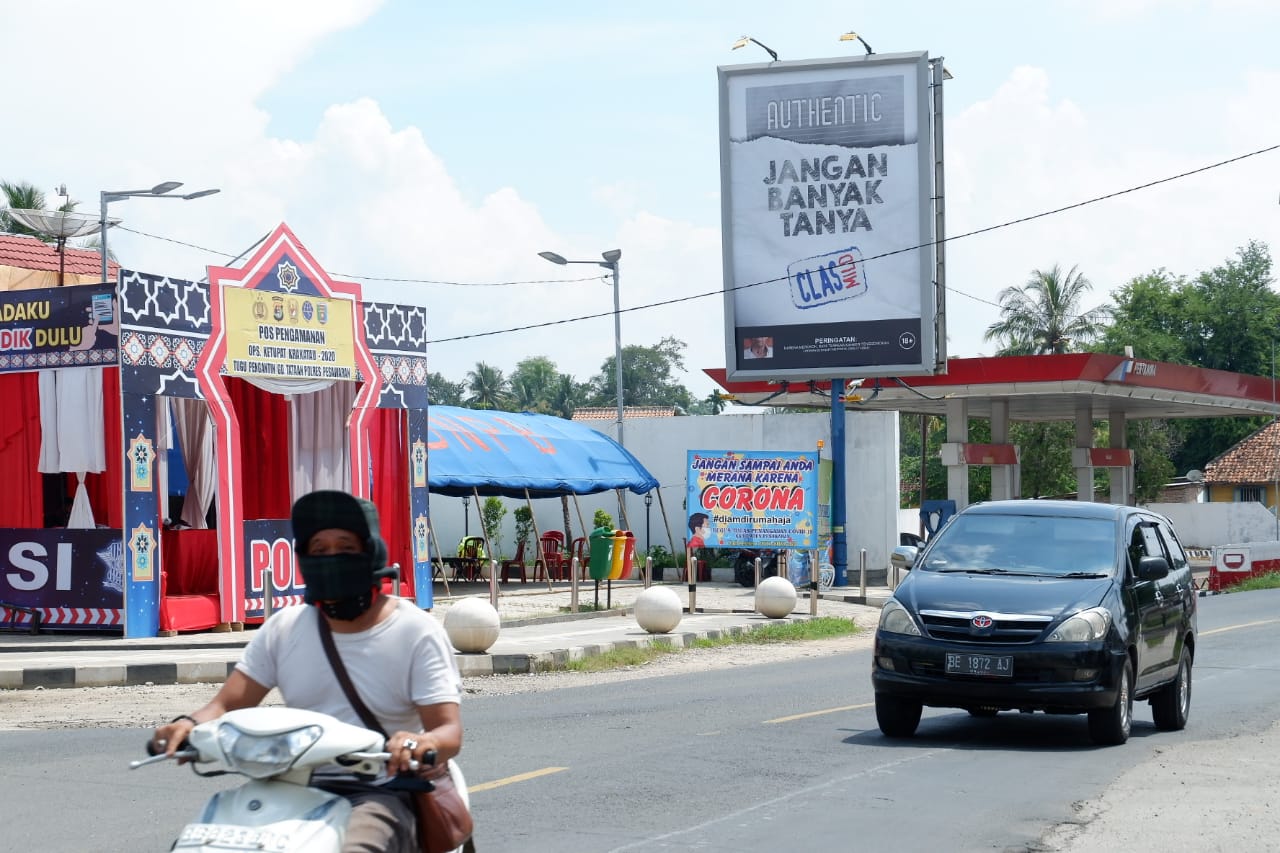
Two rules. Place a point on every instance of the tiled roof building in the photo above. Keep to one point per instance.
(27, 263)
(1248, 470)
(610, 413)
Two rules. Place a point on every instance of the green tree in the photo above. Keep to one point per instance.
(533, 384)
(22, 196)
(442, 392)
(492, 511)
(1224, 319)
(1150, 314)
(1044, 315)
(1154, 444)
(648, 377)
(1045, 457)
(486, 387)
(566, 396)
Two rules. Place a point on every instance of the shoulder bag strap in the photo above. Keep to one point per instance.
(335, 661)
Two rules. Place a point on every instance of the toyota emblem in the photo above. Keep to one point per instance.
(981, 622)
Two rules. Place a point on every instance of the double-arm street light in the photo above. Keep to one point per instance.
(158, 191)
(610, 263)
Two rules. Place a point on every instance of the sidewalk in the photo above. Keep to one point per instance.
(538, 633)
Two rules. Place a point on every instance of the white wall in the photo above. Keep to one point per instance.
(1204, 525)
(661, 445)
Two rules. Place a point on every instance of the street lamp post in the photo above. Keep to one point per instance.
(158, 191)
(610, 263)
(648, 502)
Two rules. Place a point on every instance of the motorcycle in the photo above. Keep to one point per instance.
(277, 809)
(744, 565)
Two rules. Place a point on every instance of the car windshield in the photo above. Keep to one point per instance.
(1024, 544)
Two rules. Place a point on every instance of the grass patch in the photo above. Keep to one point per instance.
(591, 607)
(821, 628)
(622, 657)
(1271, 580)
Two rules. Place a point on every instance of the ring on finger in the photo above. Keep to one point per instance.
(411, 745)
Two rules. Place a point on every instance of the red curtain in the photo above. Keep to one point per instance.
(22, 498)
(106, 489)
(264, 449)
(389, 459)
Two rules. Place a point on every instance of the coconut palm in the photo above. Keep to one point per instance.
(1044, 315)
(22, 196)
(486, 387)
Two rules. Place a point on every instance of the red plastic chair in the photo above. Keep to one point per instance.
(553, 556)
(580, 550)
(516, 562)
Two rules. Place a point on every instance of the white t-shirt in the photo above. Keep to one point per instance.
(400, 663)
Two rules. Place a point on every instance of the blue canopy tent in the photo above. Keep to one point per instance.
(474, 453)
(516, 455)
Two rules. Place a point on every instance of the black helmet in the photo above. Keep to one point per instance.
(327, 509)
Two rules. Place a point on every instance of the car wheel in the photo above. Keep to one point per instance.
(1110, 726)
(897, 717)
(1171, 705)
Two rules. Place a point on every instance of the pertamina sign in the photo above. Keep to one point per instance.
(288, 335)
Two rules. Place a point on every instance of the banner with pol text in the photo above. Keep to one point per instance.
(752, 499)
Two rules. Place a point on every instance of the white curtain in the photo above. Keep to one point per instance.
(290, 386)
(195, 435)
(321, 453)
(72, 432)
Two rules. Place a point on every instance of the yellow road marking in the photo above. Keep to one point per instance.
(820, 713)
(511, 780)
(1234, 627)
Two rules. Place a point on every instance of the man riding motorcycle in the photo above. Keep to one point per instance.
(398, 657)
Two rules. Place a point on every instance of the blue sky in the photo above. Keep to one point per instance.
(452, 142)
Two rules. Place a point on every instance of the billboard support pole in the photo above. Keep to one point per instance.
(840, 555)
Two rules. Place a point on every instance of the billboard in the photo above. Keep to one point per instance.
(827, 176)
(752, 499)
(59, 327)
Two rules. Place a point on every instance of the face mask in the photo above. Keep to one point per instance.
(340, 583)
(348, 609)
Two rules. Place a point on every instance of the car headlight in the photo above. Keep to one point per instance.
(1084, 627)
(895, 619)
(262, 756)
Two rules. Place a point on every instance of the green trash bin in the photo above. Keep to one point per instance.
(601, 559)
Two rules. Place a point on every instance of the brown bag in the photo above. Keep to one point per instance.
(444, 821)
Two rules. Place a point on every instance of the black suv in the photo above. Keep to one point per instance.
(1057, 606)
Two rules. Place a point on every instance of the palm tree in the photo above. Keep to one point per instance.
(565, 396)
(715, 402)
(487, 387)
(1043, 316)
(22, 196)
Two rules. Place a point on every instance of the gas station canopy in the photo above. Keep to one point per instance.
(1036, 388)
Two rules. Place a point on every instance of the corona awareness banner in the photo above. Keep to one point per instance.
(288, 335)
(752, 499)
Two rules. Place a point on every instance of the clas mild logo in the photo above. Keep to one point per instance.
(824, 279)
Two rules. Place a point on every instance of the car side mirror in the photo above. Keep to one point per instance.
(904, 557)
(1152, 568)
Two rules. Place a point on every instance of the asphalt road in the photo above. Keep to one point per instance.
(758, 758)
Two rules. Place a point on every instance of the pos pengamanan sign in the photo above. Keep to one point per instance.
(752, 499)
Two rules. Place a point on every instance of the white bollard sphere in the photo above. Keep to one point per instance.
(658, 610)
(472, 625)
(775, 597)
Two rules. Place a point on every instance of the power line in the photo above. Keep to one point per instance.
(600, 277)
(721, 291)
(914, 248)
